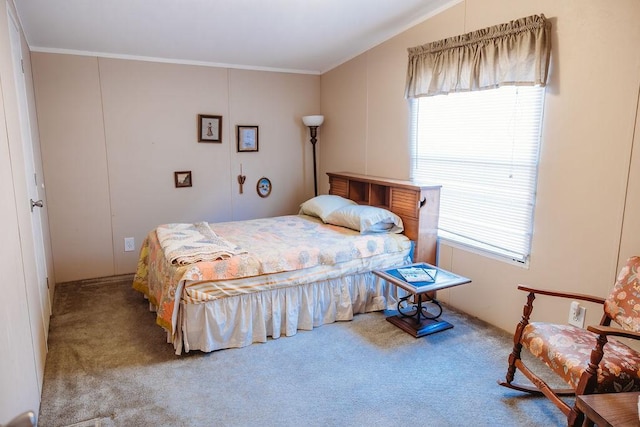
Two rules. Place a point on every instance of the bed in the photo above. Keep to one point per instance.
(231, 284)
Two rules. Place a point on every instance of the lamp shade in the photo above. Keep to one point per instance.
(313, 120)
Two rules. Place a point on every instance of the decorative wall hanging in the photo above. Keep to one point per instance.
(209, 128)
(182, 179)
(247, 138)
(263, 187)
(241, 179)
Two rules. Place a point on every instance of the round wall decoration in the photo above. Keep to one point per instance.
(263, 187)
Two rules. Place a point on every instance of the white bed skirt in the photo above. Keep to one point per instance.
(251, 318)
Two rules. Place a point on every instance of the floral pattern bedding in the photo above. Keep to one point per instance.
(274, 245)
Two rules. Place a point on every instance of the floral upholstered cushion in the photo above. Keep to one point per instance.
(623, 304)
(567, 349)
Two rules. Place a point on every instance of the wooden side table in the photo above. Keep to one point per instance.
(413, 317)
(610, 409)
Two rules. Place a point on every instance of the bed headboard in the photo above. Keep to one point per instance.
(416, 204)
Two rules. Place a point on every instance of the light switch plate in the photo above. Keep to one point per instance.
(129, 244)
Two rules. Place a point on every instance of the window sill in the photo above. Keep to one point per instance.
(480, 249)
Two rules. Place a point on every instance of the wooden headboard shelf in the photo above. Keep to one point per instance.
(416, 204)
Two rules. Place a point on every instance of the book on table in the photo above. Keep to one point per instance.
(418, 274)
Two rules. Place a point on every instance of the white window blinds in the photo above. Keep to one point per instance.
(482, 147)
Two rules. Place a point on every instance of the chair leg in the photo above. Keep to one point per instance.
(588, 380)
(575, 418)
(517, 345)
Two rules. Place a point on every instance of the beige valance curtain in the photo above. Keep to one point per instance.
(515, 53)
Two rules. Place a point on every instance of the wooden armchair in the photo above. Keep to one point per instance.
(587, 360)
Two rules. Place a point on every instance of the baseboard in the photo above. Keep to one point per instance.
(105, 280)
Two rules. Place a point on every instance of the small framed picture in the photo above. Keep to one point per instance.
(247, 138)
(182, 179)
(209, 128)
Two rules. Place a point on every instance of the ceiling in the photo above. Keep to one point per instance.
(304, 36)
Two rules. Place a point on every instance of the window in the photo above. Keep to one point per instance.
(482, 146)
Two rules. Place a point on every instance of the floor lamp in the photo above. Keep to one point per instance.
(313, 122)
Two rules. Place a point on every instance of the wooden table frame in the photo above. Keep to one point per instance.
(610, 409)
(418, 321)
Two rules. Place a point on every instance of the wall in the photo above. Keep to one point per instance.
(114, 131)
(22, 334)
(588, 134)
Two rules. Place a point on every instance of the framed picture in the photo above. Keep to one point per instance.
(263, 187)
(247, 138)
(209, 128)
(182, 179)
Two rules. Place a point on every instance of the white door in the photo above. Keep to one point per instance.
(35, 186)
(19, 385)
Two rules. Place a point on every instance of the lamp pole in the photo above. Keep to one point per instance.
(314, 133)
(313, 122)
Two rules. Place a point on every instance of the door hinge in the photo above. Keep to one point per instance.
(47, 283)
(22, 65)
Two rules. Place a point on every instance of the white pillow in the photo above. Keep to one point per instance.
(321, 206)
(366, 219)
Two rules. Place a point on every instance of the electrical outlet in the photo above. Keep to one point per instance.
(129, 244)
(576, 314)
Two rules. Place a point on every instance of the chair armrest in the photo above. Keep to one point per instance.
(581, 297)
(616, 332)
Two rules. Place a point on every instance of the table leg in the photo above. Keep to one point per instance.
(417, 320)
(418, 310)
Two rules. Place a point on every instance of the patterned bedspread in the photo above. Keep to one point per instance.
(273, 245)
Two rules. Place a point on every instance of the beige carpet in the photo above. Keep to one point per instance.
(109, 361)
